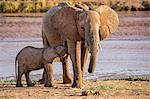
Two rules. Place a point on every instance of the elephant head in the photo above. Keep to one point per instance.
(88, 26)
(103, 21)
(95, 25)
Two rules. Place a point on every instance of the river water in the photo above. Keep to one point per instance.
(117, 58)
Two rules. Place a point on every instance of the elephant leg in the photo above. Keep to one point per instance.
(75, 54)
(45, 44)
(49, 75)
(84, 58)
(43, 77)
(65, 66)
(28, 80)
(19, 84)
(66, 74)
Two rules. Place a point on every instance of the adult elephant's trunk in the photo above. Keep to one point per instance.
(93, 61)
(94, 49)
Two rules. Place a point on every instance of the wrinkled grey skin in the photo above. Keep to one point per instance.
(31, 58)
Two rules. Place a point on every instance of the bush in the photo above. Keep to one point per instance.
(30, 7)
(38, 8)
(119, 7)
(2, 7)
(146, 5)
(9, 7)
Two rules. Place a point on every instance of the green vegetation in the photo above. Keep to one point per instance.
(16, 7)
(130, 78)
(9, 7)
(146, 5)
(8, 81)
(29, 7)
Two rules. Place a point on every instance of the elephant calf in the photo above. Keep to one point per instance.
(31, 58)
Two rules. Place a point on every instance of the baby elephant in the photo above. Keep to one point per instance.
(31, 58)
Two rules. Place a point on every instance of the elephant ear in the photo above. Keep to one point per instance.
(108, 21)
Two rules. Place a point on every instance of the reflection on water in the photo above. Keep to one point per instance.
(116, 59)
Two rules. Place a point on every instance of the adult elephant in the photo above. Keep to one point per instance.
(51, 12)
(76, 26)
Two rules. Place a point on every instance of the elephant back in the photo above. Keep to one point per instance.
(64, 22)
(108, 20)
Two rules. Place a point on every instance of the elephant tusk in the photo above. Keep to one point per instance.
(100, 47)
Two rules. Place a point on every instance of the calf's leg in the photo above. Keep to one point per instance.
(48, 68)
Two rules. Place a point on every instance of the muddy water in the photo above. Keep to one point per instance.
(118, 58)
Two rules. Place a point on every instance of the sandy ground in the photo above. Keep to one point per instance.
(111, 89)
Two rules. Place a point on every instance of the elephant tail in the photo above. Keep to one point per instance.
(45, 41)
(16, 69)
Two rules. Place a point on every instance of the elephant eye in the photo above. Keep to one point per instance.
(82, 28)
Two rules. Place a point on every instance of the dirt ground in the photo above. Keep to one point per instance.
(111, 89)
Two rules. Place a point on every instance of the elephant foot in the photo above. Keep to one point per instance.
(76, 85)
(67, 80)
(49, 85)
(41, 81)
(30, 84)
(19, 85)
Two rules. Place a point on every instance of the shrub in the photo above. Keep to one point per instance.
(31, 7)
(2, 5)
(120, 6)
(9, 7)
(146, 5)
(28, 8)
(38, 7)
(133, 8)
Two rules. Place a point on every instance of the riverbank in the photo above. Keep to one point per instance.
(111, 89)
(132, 26)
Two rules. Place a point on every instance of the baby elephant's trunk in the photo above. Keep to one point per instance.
(61, 50)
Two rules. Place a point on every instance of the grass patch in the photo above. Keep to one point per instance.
(8, 81)
(98, 88)
(130, 78)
